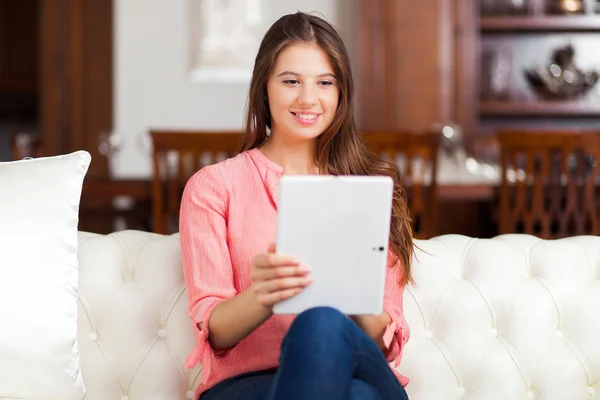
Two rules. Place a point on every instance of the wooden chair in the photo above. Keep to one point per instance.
(416, 154)
(177, 155)
(26, 145)
(549, 183)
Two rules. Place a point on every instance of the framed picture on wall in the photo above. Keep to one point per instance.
(224, 39)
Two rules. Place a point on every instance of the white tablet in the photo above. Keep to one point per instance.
(339, 227)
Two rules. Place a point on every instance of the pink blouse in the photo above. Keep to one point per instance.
(228, 215)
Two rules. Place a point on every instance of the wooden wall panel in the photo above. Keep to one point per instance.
(405, 56)
(53, 54)
(18, 60)
(467, 56)
(76, 77)
(98, 77)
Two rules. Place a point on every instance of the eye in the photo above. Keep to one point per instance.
(325, 83)
(291, 82)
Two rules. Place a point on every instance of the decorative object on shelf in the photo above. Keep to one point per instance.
(566, 7)
(519, 6)
(506, 7)
(496, 73)
(561, 79)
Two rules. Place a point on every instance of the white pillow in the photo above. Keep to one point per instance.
(39, 214)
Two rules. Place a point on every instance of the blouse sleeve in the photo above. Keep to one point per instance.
(397, 332)
(205, 255)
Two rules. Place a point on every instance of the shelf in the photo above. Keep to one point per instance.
(539, 24)
(540, 108)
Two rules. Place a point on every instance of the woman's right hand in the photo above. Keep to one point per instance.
(276, 277)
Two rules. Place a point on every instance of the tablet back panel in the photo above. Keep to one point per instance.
(338, 226)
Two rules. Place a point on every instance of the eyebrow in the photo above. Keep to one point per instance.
(297, 74)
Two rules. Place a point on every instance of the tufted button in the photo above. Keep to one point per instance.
(127, 276)
(494, 332)
(591, 390)
(461, 391)
(93, 336)
(559, 334)
(530, 394)
(162, 332)
(428, 334)
(190, 394)
(124, 397)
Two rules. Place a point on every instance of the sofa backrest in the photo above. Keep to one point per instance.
(133, 330)
(504, 318)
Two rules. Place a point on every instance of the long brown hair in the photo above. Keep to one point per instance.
(340, 148)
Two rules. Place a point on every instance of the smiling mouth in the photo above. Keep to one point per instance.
(306, 116)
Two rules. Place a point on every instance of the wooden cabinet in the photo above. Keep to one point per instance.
(496, 49)
(76, 77)
(451, 61)
(423, 63)
(56, 74)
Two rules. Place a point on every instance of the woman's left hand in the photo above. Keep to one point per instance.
(374, 326)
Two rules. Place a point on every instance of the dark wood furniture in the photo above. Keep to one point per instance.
(76, 77)
(417, 157)
(405, 63)
(177, 155)
(56, 73)
(494, 48)
(410, 84)
(19, 67)
(25, 145)
(549, 183)
(109, 205)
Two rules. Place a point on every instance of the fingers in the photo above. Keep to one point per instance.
(284, 284)
(277, 277)
(270, 260)
(263, 274)
(272, 266)
(275, 290)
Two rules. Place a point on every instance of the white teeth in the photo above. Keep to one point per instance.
(308, 117)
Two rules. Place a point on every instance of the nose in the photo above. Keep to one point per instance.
(307, 95)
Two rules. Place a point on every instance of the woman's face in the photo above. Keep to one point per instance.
(303, 93)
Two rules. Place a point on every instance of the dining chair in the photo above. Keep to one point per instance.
(416, 154)
(549, 182)
(177, 155)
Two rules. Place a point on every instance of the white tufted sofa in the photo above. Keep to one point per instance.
(508, 318)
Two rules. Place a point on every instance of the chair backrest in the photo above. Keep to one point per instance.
(549, 182)
(416, 154)
(26, 145)
(177, 155)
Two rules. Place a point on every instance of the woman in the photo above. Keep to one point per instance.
(302, 91)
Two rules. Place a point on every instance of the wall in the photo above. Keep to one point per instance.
(152, 85)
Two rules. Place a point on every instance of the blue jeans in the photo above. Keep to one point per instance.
(324, 355)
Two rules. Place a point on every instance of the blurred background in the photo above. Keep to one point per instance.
(490, 107)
